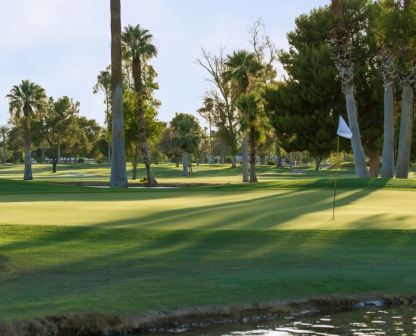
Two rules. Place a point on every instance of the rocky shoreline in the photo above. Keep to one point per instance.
(161, 322)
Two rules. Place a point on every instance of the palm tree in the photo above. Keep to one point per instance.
(248, 104)
(405, 43)
(242, 66)
(389, 75)
(118, 166)
(138, 47)
(345, 68)
(186, 136)
(26, 100)
(3, 131)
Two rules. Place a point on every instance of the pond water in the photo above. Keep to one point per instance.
(395, 321)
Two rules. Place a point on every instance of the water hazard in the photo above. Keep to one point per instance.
(397, 321)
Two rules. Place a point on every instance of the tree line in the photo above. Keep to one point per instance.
(353, 58)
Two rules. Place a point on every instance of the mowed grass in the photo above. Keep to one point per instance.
(75, 249)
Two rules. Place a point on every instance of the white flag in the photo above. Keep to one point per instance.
(343, 129)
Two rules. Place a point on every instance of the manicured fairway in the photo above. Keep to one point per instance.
(77, 249)
(219, 209)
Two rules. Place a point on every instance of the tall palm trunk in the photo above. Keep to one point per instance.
(406, 125)
(253, 154)
(27, 175)
(118, 166)
(387, 168)
(138, 86)
(244, 154)
(185, 164)
(357, 147)
(345, 68)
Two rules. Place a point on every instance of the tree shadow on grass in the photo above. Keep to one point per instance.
(263, 212)
(131, 270)
(144, 262)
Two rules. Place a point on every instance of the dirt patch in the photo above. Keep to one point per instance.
(197, 317)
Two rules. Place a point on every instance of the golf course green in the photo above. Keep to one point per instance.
(73, 249)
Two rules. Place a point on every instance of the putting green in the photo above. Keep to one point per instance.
(216, 209)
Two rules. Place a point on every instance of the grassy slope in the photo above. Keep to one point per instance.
(71, 249)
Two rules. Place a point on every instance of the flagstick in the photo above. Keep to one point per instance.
(335, 182)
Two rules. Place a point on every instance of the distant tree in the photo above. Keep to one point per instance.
(85, 133)
(400, 30)
(242, 67)
(118, 166)
(266, 143)
(16, 144)
(249, 105)
(104, 85)
(218, 107)
(138, 47)
(186, 136)
(167, 146)
(4, 133)
(26, 100)
(58, 119)
(303, 109)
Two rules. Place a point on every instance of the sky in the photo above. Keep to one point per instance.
(62, 45)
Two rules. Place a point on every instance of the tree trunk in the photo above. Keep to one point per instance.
(406, 125)
(185, 164)
(253, 155)
(177, 161)
(134, 165)
(244, 154)
(234, 152)
(278, 157)
(357, 147)
(55, 160)
(27, 175)
(318, 163)
(374, 163)
(387, 170)
(118, 158)
(263, 159)
(138, 86)
(345, 68)
(59, 153)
